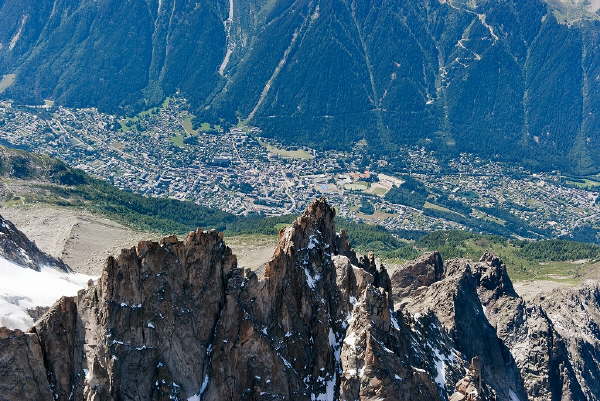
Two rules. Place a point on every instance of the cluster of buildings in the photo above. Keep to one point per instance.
(157, 153)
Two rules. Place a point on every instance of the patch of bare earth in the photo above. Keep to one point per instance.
(84, 240)
(252, 251)
(528, 290)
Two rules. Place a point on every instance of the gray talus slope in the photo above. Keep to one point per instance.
(17, 248)
(82, 240)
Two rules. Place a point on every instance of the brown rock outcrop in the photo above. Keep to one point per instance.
(417, 274)
(22, 371)
(178, 320)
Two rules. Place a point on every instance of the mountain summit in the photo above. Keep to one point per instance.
(179, 320)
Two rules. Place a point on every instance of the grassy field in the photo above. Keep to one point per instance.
(286, 154)
(484, 216)
(377, 216)
(357, 186)
(128, 123)
(206, 127)
(433, 206)
(591, 182)
(377, 189)
(178, 140)
(188, 127)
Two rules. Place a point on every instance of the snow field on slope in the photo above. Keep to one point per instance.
(22, 288)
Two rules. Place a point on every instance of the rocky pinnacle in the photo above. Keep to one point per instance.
(179, 320)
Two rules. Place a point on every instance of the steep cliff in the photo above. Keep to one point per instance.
(179, 320)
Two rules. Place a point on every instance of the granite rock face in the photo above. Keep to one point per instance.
(178, 320)
(22, 371)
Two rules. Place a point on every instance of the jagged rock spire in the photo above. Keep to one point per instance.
(178, 320)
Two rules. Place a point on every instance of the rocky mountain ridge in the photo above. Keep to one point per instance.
(17, 248)
(179, 320)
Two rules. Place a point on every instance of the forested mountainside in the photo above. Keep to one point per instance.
(510, 79)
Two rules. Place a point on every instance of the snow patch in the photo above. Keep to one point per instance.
(440, 367)
(285, 362)
(351, 340)
(394, 321)
(310, 279)
(25, 255)
(335, 345)
(329, 394)
(22, 289)
(513, 396)
(197, 397)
